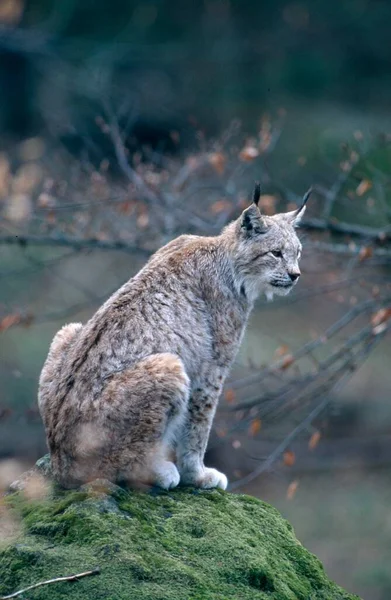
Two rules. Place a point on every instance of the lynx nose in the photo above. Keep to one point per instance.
(295, 275)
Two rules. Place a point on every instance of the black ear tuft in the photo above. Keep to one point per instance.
(257, 193)
(305, 198)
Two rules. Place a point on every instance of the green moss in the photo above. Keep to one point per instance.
(179, 545)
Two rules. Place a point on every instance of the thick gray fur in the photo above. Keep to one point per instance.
(131, 395)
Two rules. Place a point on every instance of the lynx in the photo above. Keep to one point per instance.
(136, 387)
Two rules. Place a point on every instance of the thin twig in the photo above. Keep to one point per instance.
(349, 249)
(371, 233)
(76, 577)
(335, 328)
(77, 243)
(305, 423)
(333, 193)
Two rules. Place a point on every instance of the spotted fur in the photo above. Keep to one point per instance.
(138, 384)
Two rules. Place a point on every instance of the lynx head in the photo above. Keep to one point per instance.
(267, 250)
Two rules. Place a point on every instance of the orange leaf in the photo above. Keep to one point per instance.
(126, 207)
(229, 396)
(287, 361)
(9, 321)
(221, 432)
(255, 427)
(363, 187)
(219, 206)
(381, 316)
(289, 458)
(365, 252)
(281, 350)
(217, 160)
(314, 440)
(292, 489)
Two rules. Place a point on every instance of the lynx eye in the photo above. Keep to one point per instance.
(276, 253)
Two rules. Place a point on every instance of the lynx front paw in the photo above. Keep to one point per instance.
(166, 475)
(206, 478)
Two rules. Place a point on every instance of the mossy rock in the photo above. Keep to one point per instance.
(184, 544)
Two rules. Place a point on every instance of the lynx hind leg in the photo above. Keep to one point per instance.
(60, 344)
(146, 405)
(63, 339)
(51, 369)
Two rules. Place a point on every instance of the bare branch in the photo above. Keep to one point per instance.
(308, 420)
(123, 162)
(347, 318)
(352, 249)
(77, 243)
(370, 233)
(76, 577)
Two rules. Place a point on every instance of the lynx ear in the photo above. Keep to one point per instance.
(251, 220)
(295, 216)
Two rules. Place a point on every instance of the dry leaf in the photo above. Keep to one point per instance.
(255, 427)
(363, 187)
(192, 162)
(287, 361)
(32, 149)
(11, 11)
(18, 207)
(248, 153)
(381, 316)
(26, 178)
(292, 489)
(281, 350)
(265, 141)
(221, 432)
(365, 252)
(314, 440)
(229, 396)
(126, 207)
(219, 206)
(45, 200)
(9, 321)
(217, 160)
(5, 176)
(289, 458)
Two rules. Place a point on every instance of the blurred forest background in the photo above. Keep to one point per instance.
(124, 124)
